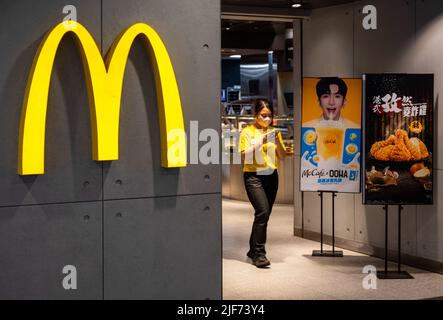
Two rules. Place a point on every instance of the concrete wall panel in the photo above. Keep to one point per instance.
(37, 242)
(163, 248)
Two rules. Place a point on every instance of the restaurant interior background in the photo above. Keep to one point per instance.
(256, 64)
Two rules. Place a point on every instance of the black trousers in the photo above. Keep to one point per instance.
(261, 190)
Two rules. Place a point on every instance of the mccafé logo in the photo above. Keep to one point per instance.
(104, 81)
(331, 139)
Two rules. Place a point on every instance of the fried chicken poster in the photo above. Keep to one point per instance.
(331, 135)
(398, 143)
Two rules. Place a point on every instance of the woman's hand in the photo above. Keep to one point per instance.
(281, 153)
(272, 136)
(269, 136)
(253, 149)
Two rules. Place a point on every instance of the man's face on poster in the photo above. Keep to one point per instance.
(332, 103)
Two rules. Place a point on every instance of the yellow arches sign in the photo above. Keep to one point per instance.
(104, 84)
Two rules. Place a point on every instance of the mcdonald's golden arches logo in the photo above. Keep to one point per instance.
(104, 81)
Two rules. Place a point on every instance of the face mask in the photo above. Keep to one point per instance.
(266, 121)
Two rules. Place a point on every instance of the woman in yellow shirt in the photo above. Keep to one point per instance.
(261, 147)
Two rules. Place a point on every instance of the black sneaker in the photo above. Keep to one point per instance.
(250, 255)
(261, 262)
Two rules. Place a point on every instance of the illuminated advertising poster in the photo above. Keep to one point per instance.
(398, 142)
(331, 135)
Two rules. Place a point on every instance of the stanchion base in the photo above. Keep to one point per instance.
(392, 275)
(327, 253)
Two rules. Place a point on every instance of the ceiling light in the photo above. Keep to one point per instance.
(296, 5)
(235, 56)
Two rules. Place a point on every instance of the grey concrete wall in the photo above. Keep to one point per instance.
(409, 39)
(132, 228)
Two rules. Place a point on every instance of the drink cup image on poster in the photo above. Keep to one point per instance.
(331, 135)
(398, 143)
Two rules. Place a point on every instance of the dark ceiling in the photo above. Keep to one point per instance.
(253, 26)
(306, 4)
(249, 34)
(246, 36)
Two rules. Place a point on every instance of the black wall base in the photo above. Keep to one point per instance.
(327, 253)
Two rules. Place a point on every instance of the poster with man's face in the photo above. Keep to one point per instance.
(398, 144)
(331, 135)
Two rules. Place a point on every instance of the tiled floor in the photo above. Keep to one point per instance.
(295, 274)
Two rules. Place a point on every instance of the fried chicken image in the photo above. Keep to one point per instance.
(384, 154)
(421, 151)
(399, 148)
(379, 147)
(401, 151)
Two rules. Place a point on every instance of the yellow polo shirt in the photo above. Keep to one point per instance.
(266, 158)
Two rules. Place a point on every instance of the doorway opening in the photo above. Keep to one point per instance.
(258, 63)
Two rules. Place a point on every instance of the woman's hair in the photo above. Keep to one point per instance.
(260, 105)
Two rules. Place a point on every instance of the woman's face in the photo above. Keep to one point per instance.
(264, 117)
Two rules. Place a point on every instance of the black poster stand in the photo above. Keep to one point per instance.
(321, 252)
(393, 274)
